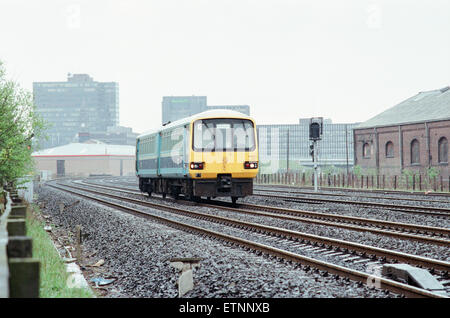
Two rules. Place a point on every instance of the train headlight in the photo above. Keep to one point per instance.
(197, 165)
(251, 165)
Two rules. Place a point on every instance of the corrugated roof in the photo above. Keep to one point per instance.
(81, 149)
(425, 106)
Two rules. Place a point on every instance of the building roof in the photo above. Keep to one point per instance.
(81, 149)
(425, 106)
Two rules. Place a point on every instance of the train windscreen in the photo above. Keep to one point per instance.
(224, 134)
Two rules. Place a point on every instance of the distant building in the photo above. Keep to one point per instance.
(245, 109)
(178, 107)
(80, 104)
(83, 159)
(412, 135)
(118, 135)
(287, 146)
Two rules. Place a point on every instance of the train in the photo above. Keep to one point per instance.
(210, 154)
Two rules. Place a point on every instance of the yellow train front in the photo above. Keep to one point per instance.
(210, 154)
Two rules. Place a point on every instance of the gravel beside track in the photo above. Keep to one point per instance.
(136, 251)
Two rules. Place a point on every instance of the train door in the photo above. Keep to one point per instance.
(137, 156)
(186, 150)
(158, 153)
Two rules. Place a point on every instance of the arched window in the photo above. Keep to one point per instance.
(389, 149)
(443, 150)
(366, 150)
(415, 152)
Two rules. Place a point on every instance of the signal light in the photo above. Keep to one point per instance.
(251, 165)
(197, 165)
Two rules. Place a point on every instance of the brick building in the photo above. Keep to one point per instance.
(412, 135)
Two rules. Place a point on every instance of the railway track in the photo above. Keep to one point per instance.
(348, 251)
(426, 234)
(382, 191)
(423, 210)
(293, 191)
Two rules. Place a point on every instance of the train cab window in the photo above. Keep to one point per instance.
(203, 136)
(224, 134)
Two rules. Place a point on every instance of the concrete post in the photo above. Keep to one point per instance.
(19, 246)
(16, 227)
(23, 277)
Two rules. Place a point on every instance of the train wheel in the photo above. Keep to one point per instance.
(196, 198)
(164, 195)
(234, 199)
(149, 193)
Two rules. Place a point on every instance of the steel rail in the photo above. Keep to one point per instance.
(445, 212)
(313, 220)
(437, 194)
(348, 195)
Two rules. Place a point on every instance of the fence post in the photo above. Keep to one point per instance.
(16, 252)
(395, 182)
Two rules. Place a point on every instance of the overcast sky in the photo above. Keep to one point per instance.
(344, 60)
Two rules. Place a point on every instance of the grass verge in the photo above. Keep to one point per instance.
(53, 275)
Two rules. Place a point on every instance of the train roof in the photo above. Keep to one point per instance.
(216, 113)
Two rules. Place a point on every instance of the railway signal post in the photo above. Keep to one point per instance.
(315, 134)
